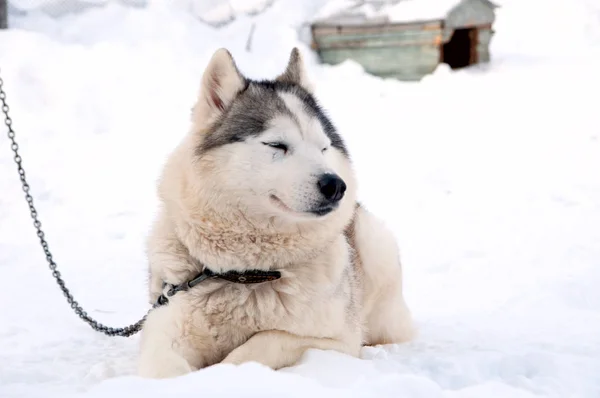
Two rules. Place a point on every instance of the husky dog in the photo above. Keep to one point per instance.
(262, 190)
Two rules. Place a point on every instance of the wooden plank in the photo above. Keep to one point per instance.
(410, 38)
(474, 40)
(3, 14)
(371, 65)
(485, 36)
(483, 45)
(373, 35)
(319, 30)
(387, 61)
(381, 44)
(385, 56)
(483, 54)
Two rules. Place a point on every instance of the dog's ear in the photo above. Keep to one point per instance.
(221, 83)
(295, 72)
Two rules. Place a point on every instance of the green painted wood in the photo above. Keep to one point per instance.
(384, 58)
(483, 46)
(484, 36)
(483, 55)
(340, 28)
(383, 40)
(471, 13)
(402, 35)
(387, 61)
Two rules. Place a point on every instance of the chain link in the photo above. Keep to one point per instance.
(125, 331)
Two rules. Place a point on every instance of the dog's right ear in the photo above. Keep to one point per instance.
(295, 72)
(221, 82)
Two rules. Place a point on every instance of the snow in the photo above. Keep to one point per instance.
(420, 10)
(360, 11)
(337, 8)
(488, 176)
(213, 12)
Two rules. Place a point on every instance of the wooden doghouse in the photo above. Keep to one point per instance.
(406, 39)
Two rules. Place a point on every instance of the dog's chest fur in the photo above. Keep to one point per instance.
(318, 293)
(304, 302)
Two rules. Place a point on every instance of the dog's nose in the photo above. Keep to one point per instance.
(332, 187)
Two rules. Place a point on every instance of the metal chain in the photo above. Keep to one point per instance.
(125, 331)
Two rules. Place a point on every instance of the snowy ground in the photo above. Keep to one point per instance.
(490, 178)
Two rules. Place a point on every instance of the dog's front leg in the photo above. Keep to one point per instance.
(278, 349)
(169, 347)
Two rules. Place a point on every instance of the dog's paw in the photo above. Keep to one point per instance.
(239, 356)
(262, 349)
(252, 353)
(164, 369)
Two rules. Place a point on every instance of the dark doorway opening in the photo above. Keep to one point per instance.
(461, 49)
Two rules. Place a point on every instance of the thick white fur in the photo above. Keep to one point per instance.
(341, 284)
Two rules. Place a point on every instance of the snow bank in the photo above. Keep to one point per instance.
(213, 12)
(420, 10)
(391, 11)
(488, 177)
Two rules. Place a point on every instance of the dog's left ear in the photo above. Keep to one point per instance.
(295, 72)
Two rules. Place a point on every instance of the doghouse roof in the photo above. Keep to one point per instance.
(359, 12)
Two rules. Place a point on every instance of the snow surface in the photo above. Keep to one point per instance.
(489, 177)
(213, 12)
(359, 11)
(420, 10)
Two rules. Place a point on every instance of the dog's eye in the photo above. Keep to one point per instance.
(277, 145)
(324, 149)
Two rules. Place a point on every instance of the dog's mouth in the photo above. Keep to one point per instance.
(323, 210)
(279, 204)
(317, 211)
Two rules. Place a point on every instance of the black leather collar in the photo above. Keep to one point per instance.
(246, 277)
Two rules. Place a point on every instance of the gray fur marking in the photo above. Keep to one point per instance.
(256, 105)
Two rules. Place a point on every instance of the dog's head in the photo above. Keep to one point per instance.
(265, 149)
